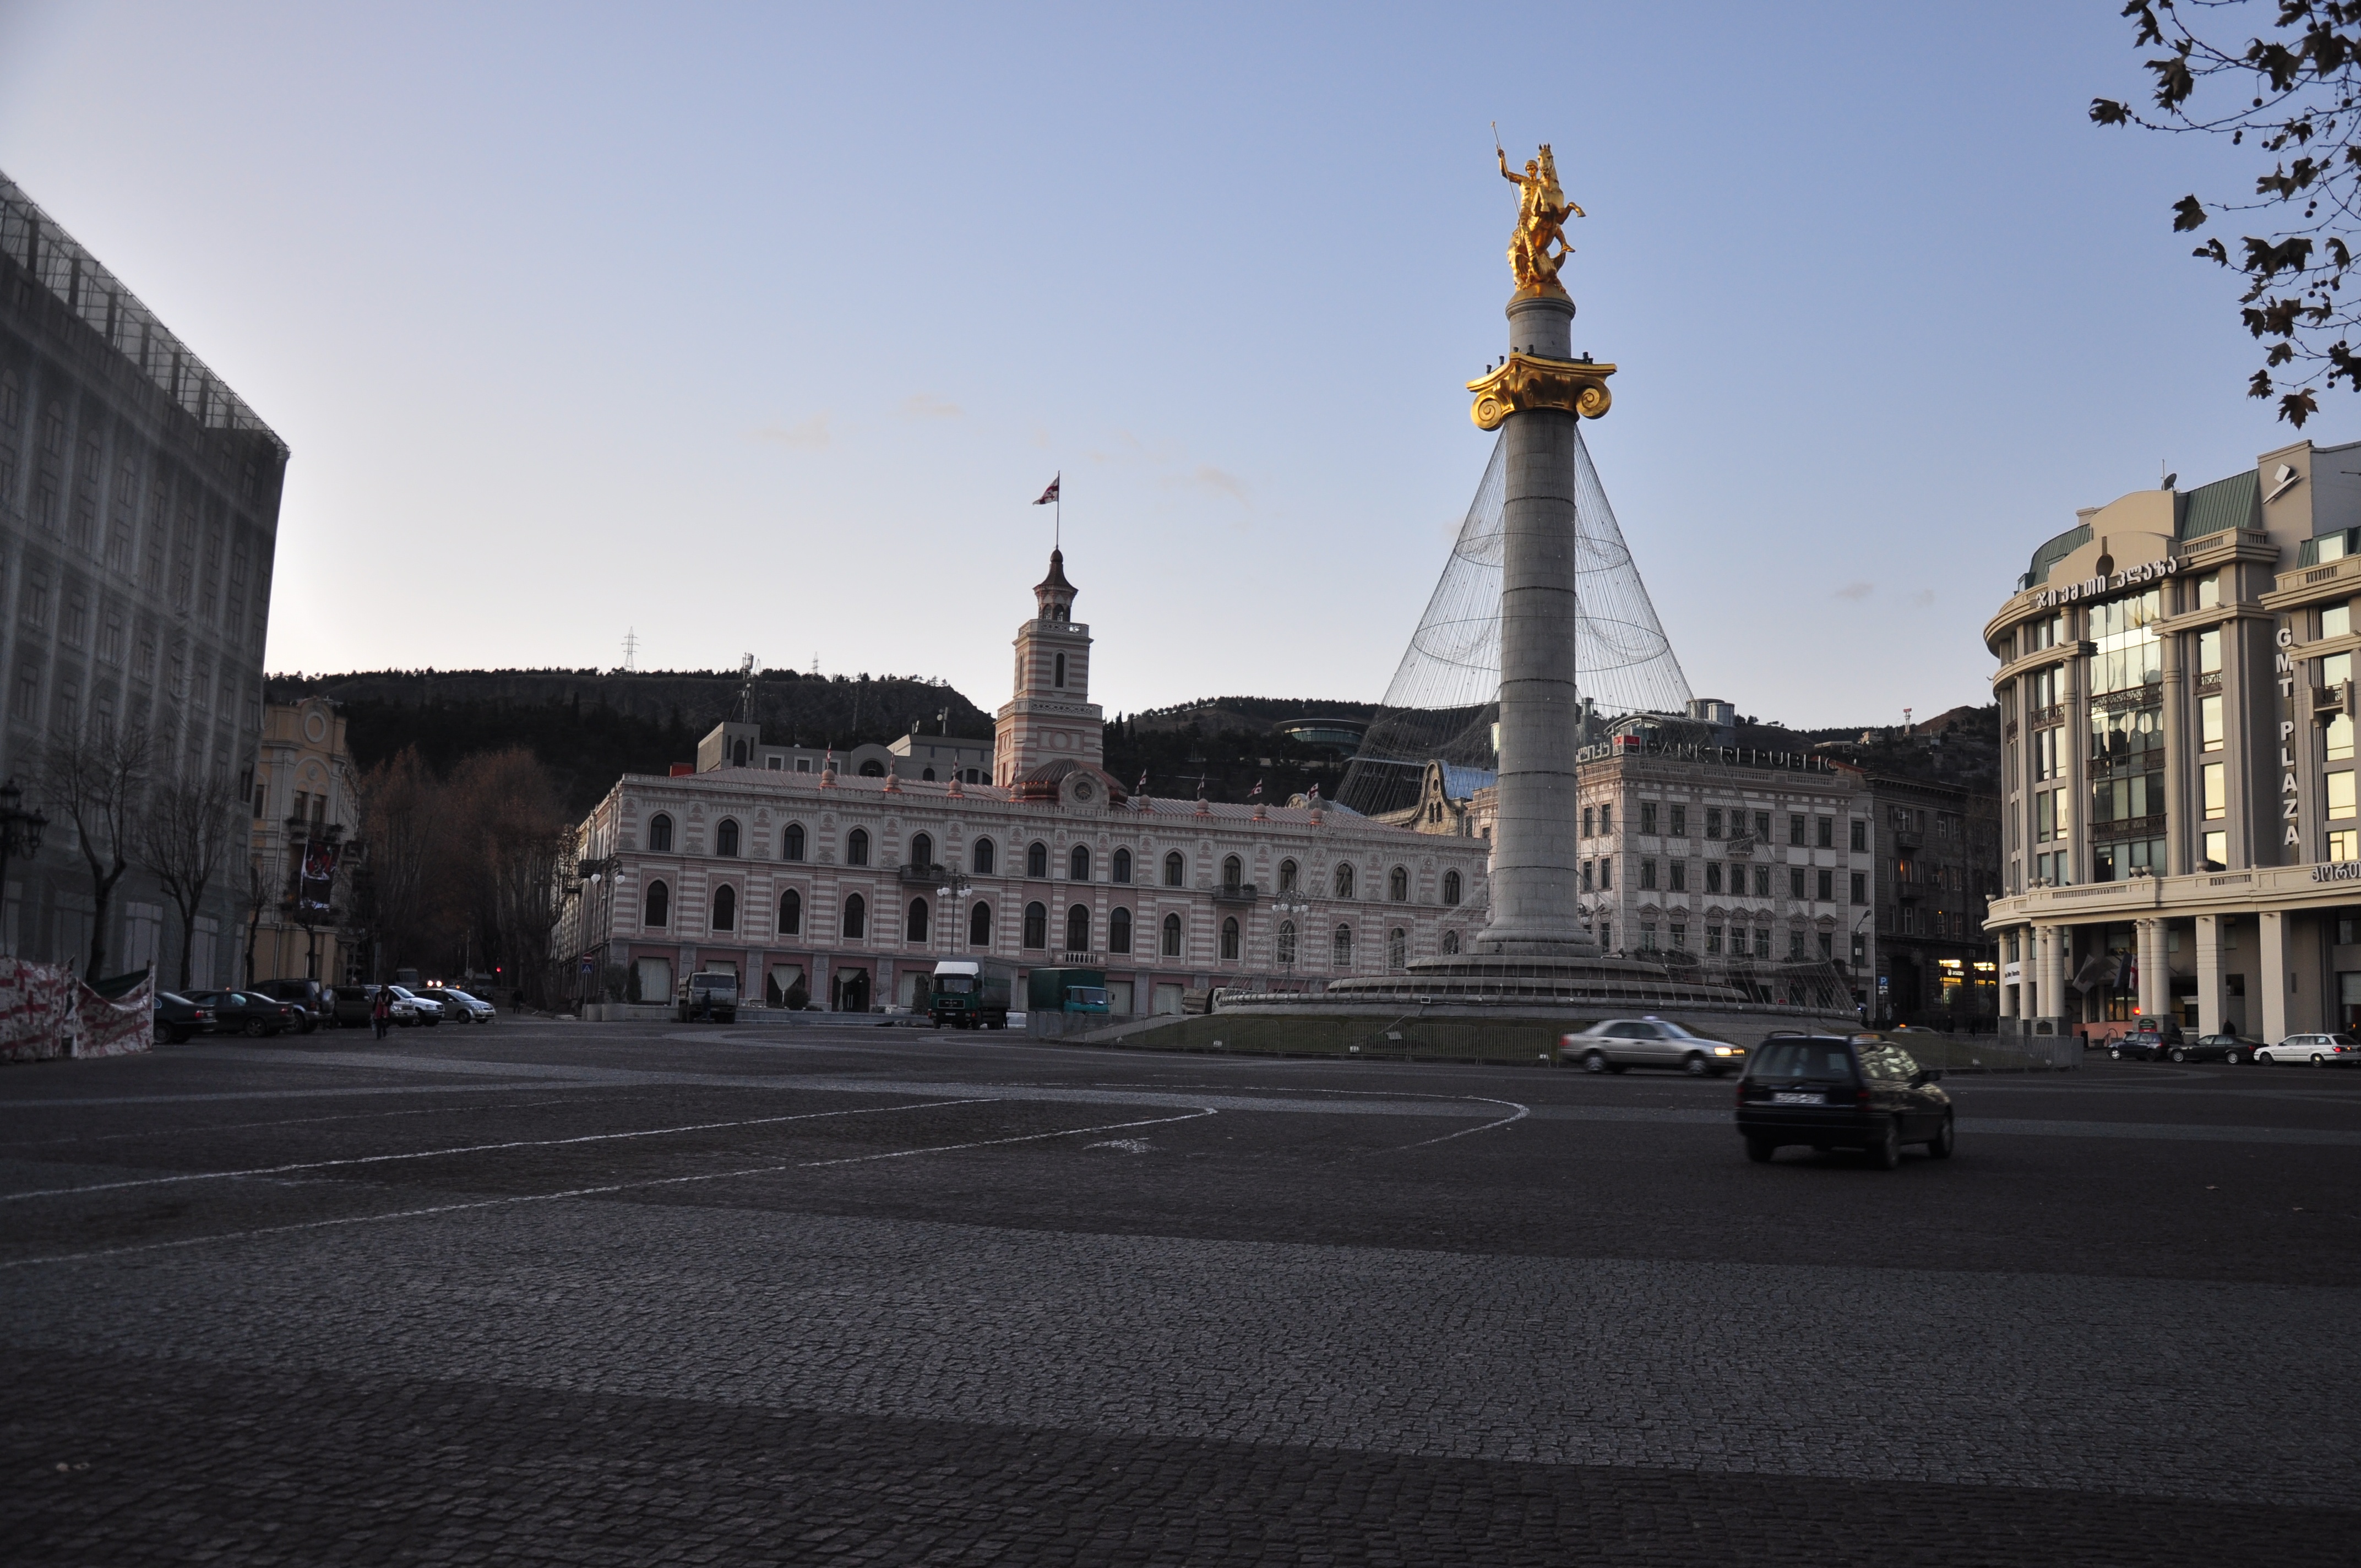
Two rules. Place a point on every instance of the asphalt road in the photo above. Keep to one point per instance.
(610, 1294)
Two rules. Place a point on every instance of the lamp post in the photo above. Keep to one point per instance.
(20, 834)
(1287, 960)
(1861, 963)
(598, 873)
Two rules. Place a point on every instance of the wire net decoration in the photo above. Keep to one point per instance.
(1445, 695)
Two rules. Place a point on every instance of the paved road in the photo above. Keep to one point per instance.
(607, 1294)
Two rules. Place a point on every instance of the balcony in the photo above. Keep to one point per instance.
(927, 876)
(1236, 893)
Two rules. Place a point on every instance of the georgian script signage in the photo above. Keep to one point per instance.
(2107, 583)
(2343, 871)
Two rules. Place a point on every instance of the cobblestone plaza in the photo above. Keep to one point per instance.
(606, 1294)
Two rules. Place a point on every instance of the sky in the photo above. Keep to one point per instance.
(756, 329)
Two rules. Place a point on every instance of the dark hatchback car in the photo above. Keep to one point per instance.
(1830, 1092)
(178, 1018)
(2211, 1048)
(246, 1012)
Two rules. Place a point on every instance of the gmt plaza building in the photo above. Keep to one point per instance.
(2182, 830)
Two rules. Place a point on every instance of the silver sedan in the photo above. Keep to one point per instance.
(2318, 1050)
(1616, 1045)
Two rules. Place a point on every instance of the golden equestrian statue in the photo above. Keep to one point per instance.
(1542, 212)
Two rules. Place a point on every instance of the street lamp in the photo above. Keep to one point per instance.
(20, 834)
(1287, 960)
(596, 872)
(1861, 963)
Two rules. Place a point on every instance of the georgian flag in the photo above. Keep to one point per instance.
(1142, 782)
(1255, 793)
(1314, 795)
(1051, 493)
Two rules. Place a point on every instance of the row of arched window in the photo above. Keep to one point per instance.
(917, 928)
(983, 858)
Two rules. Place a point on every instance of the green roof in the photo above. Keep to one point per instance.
(2057, 550)
(2233, 502)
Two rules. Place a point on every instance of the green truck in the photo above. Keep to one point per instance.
(709, 996)
(968, 994)
(1066, 990)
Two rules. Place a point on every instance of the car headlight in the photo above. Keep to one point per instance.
(1723, 1051)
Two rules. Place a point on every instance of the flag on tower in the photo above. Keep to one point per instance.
(1142, 782)
(1051, 493)
(1255, 793)
(1314, 796)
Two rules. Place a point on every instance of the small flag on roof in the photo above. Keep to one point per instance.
(1051, 494)
(1255, 793)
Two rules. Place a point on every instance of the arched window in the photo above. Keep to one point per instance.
(1078, 929)
(872, 769)
(856, 847)
(1078, 863)
(1450, 943)
(1287, 944)
(922, 850)
(658, 911)
(1230, 940)
(927, 776)
(979, 857)
(725, 836)
(1176, 870)
(915, 929)
(1036, 925)
(1119, 931)
(1345, 882)
(979, 926)
(1119, 870)
(659, 834)
(1172, 936)
(856, 917)
(1397, 949)
(1287, 876)
(1398, 884)
(725, 908)
(1342, 946)
(738, 754)
(1037, 860)
(1233, 869)
(791, 913)
(1450, 888)
(791, 843)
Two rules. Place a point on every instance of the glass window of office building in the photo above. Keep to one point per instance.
(2127, 824)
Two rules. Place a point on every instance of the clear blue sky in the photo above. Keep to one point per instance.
(756, 328)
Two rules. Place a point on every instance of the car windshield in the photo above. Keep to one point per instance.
(406, 996)
(458, 996)
(1816, 1061)
(2343, 1040)
(955, 984)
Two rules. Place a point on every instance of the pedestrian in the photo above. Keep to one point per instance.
(381, 1011)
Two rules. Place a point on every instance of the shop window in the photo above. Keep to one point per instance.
(660, 834)
(791, 913)
(1171, 936)
(657, 910)
(1036, 925)
(1119, 931)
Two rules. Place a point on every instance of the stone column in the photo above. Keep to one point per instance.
(2053, 971)
(1534, 851)
(2271, 973)
(2209, 974)
(2010, 1007)
(2151, 969)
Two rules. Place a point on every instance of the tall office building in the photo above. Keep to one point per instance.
(138, 513)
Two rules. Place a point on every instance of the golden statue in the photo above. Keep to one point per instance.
(1542, 212)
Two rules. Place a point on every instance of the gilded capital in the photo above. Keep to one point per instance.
(1529, 381)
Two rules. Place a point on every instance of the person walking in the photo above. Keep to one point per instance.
(381, 1011)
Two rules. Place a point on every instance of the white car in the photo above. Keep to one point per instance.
(1614, 1045)
(2320, 1051)
(459, 1006)
(422, 1009)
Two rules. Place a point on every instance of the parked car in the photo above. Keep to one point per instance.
(2214, 1047)
(1842, 1092)
(1617, 1045)
(349, 1006)
(461, 1007)
(176, 1018)
(420, 1009)
(2320, 1051)
(308, 997)
(246, 1012)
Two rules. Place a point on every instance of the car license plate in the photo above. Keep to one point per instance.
(1797, 1100)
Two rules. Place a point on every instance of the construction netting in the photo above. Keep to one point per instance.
(1445, 694)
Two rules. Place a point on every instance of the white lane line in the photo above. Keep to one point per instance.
(1520, 1112)
(576, 1192)
(469, 1148)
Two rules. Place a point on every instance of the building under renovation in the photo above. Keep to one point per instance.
(138, 513)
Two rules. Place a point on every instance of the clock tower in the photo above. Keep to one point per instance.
(1050, 717)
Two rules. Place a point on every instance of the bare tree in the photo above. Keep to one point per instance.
(186, 839)
(402, 822)
(510, 836)
(99, 780)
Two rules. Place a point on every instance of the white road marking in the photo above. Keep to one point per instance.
(1520, 1112)
(583, 1191)
(469, 1148)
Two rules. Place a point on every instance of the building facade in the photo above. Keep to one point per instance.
(139, 516)
(300, 852)
(844, 890)
(1938, 851)
(2180, 813)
